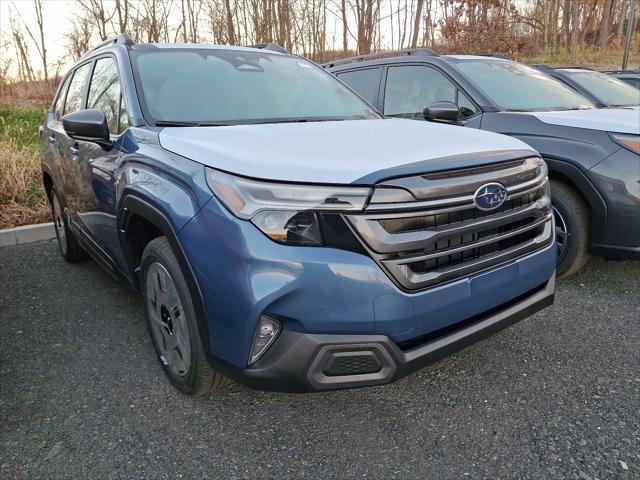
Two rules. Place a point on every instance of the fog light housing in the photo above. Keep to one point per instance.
(268, 329)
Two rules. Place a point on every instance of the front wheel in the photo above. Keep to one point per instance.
(571, 216)
(172, 322)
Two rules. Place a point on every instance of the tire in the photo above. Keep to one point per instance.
(69, 247)
(172, 324)
(572, 228)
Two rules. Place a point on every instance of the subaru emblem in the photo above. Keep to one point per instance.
(490, 196)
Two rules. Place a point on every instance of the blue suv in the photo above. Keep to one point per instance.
(281, 232)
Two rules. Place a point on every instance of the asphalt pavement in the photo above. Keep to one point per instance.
(82, 395)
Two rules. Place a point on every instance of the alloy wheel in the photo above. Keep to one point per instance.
(167, 318)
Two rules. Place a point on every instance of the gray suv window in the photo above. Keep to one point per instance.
(410, 88)
(60, 100)
(105, 94)
(76, 89)
(365, 82)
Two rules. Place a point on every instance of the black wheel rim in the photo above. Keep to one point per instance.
(562, 234)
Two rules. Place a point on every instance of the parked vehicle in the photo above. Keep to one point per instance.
(593, 155)
(632, 77)
(280, 231)
(601, 89)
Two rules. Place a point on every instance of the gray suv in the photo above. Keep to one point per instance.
(593, 154)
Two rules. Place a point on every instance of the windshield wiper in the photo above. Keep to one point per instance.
(301, 120)
(171, 123)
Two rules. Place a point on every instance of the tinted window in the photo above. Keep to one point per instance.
(607, 89)
(466, 106)
(76, 88)
(411, 88)
(239, 86)
(634, 82)
(513, 86)
(60, 100)
(105, 93)
(365, 82)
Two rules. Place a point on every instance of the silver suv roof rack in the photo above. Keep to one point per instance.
(393, 53)
(274, 47)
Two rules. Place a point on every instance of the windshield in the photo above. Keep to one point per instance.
(516, 87)
(228, 86)
(607, 89)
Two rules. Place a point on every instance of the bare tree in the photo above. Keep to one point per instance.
(96, 11)
(416, 23)
(122, 12)
(367, 14)
(79, 38)
(37, 37)
(604, 24)
(231, 34)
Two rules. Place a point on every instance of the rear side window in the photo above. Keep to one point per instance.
(105, 94)
(365, 82)
(60, 100)
(76, 88)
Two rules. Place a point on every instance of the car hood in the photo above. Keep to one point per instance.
(619, 120)
(335, 151)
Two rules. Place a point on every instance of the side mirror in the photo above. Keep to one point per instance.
(89, 125)
(445, 112)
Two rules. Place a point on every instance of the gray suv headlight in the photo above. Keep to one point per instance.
(285, 212)
(630, 142)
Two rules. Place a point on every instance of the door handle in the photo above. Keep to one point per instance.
(75, 152)
(52, 139)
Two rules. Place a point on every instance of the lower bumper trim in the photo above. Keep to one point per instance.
(298, 362)
(616, 252)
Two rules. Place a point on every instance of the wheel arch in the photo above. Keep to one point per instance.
(571, 175)
(139, 222)
(47, 182)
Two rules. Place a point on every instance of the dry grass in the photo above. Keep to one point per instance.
(22, 198)
(27, 94)
(610, 59)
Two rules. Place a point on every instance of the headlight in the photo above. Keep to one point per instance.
(285, 212)
(630, 142)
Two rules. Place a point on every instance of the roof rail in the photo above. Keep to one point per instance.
(122, 39)
(495, 55)
(392, 53)
(274, 47)
(576, 67)
(542, 67)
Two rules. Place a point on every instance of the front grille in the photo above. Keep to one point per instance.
(423, 236)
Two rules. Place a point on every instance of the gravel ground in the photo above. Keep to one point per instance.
(82, 395)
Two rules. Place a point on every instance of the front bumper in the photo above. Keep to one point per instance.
(242, 275)
(618, 180)
(305, 362)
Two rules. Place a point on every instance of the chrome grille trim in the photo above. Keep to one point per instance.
(412, 280)
(455, 238)
(467, 246)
